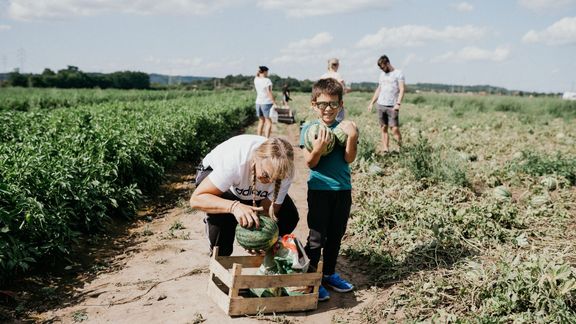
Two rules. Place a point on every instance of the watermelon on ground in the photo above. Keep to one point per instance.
(550, 183)
(502, 193)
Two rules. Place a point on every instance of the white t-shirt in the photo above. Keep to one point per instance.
(389, 87)
(333, 75)
(232, 169)
(261, 85)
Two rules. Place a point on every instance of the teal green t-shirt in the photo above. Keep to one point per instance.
(332, 171)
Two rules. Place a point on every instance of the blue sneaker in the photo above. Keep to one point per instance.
(323, 294)
(335, 282)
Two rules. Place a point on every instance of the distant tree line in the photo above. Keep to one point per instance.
(243, 82)
(72, 77)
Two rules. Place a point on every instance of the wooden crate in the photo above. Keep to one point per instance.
(285, 115)
(227, 281)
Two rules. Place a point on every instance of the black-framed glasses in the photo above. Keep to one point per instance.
(325, 104)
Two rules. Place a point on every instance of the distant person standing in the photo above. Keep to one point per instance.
(333, 65)
(264, 101)
(390, 92)
(285, 96)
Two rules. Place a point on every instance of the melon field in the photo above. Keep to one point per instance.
(472, 221)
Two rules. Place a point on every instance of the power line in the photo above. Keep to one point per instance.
(21, 55)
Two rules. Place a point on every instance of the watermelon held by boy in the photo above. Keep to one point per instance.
(341, 135)
(261, 238)
(312, 135)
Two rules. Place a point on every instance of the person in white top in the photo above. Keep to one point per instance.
(333, 65)
(242, 176)
(264, 101)
(390, 92)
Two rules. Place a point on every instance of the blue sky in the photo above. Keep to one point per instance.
(518, 44)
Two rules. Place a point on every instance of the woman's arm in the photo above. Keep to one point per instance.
(207, 198)
(270, 95)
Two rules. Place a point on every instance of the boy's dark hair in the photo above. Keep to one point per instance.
(329, 87)
(262, 69)
(383, 60)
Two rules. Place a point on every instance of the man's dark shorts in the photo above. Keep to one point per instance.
(388, 116)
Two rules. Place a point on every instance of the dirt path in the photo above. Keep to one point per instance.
(162, 276)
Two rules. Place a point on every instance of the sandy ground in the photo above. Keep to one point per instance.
(161, 276)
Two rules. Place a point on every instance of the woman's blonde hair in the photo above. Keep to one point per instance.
(333, 62)
(281, 156)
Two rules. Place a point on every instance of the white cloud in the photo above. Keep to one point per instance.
(318, 40)
(59, 9)
(462, 7)
(5, 27)
(309, 56)
(538, 5)
(562, 32)
(416, 35)
(475, 54)
(303, 50)
(304, 8)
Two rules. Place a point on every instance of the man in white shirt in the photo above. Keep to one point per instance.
(390, 92)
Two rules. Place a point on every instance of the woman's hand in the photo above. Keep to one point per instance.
(246, 215)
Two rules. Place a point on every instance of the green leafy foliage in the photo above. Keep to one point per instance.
(68, 171)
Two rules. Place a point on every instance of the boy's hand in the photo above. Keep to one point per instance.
(350, 128)
(321, 142)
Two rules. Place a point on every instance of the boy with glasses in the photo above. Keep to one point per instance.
(390, 92)
(329, 185)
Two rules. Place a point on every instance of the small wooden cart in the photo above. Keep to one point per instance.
(227, 281)
(285, 115)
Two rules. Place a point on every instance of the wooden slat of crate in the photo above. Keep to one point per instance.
(246, 261)
(281, 280)
(241, 306)
(284, 111)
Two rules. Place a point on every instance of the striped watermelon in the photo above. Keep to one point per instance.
(312, 134)
(341, 135)
(550, 183)
(261, 238)
(540, 200)
(502, 193)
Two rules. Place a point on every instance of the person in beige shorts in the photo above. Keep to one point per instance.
(389, 95)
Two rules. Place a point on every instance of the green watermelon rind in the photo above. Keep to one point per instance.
(341, 135)
(550, 183)
(261, 238)
(502, 193)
